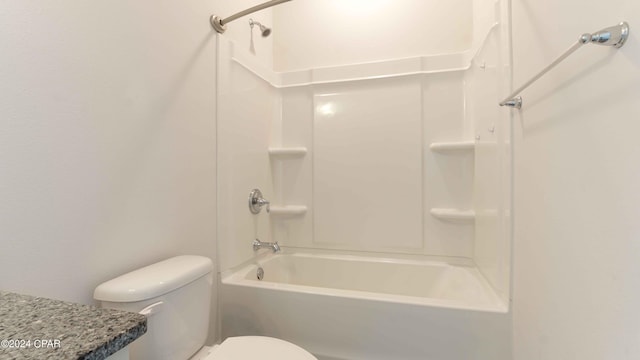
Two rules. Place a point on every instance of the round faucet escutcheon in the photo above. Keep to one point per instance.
(256, 201)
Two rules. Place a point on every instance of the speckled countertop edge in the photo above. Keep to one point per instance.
(82, 331)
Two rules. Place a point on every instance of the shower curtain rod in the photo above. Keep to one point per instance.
(612, 36)
(221, 24)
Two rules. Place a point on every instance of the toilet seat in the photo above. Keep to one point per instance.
(255, 347)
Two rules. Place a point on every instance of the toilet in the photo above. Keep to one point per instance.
(175, 295)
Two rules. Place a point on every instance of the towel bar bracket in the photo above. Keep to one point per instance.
(516, 102)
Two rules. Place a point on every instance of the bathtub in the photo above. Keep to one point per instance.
(344, 307)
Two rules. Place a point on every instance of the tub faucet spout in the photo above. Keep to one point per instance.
(257, 245)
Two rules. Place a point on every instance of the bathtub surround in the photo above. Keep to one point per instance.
(387, 193)
(375, 158)
(485, 81)
(352, 172)
(65, 331)
(247, 108)
(368, 179)
(426, 104)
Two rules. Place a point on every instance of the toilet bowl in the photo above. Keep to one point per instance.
(253, 347)
(175, 295)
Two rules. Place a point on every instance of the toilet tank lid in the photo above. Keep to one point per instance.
(154, 280)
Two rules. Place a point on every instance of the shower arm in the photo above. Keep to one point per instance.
(221, 24)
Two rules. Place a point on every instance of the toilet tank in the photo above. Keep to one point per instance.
(175, 294)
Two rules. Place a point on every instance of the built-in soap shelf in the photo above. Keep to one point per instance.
(288, 210)
(452, 146)
(453, 214)
(287, 152)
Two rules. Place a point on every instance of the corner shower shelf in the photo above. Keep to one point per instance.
(287, 152)
(452, 146)
(453, 214)
(289, 210)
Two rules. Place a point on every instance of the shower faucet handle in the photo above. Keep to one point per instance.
(256, 201)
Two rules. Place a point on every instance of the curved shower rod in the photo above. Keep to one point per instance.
(220, 24)
(612, 36)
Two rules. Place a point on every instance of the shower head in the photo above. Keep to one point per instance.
(220, 24)
(265, 31)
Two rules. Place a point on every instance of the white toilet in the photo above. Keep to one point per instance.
(175, 294)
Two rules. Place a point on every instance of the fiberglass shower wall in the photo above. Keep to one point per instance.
(488, 79)
(369, 178)
(248, 108)
(367, 139)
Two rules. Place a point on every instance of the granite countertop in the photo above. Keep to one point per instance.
(40, 328)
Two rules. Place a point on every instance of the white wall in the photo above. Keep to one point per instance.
(316, 33)
(107, 143)
(577, 202)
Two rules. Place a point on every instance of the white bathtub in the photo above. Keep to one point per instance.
(352, 308)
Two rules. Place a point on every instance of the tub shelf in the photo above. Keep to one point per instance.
(288, 210)
(287, 152)
(453, 214)
(452, 146)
